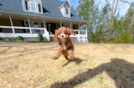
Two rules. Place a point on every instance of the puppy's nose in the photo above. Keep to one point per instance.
(62, 36)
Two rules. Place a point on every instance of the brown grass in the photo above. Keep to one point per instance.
(28, 65)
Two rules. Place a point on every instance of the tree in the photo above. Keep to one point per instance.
(105, 24)
(89, 12)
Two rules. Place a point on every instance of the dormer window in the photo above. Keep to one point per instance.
(67, 11)
(31, 5)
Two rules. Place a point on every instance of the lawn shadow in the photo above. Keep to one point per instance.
(120, 70)
(75, 60)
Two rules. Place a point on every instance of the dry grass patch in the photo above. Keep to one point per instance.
(28, 65)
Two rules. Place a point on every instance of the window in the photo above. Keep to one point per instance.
(26, 24)
(36, 24)
(31, 5)
(66, 11)
(42, 25)
(27, 31)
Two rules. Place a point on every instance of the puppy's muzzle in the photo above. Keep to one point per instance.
(63, 36)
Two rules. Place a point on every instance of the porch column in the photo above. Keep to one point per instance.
(79, 27)
(60, 23)
(29, 25)
(11, 24)
(44, 26)
(70, 25)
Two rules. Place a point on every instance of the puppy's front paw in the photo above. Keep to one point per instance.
(53, 58)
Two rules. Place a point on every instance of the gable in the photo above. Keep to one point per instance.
(67, 5)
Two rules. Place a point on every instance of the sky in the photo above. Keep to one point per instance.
(122, 8)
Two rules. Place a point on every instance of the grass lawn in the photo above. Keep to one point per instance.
(29, 65)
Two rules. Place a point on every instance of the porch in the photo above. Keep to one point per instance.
(13, 25)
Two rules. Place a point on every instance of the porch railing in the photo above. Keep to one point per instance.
(81, 36)
(30, 34)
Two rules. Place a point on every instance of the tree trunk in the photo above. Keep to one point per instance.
(115, 10)
(132, 20)
(112, 11)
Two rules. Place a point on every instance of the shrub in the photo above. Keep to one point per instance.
(19, 39)
(95, 38)
(11, 39)
(46, 40)
(40, 36)
(126, 37)
(112, 42)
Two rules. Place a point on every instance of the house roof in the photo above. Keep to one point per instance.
(50, 9)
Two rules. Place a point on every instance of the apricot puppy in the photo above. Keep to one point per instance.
(66, 46)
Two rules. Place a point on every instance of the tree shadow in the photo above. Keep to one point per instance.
(76, 60)
(121, 71)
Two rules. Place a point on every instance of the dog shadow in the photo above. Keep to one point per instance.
(75, 60)
(120, 70)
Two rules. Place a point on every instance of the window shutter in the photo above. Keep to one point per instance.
(0, 30)
(39, 7)
(26, 5)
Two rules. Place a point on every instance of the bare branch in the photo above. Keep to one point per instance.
(116, 7)
(108, 3)
(99, 3)
(125, 2)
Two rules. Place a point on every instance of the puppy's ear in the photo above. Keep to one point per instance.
(56, 35)
(71, 31)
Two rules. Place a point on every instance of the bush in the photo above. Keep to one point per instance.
(112, 42)
(126, 38)
(11, 39)
(19, 39)
(46, 40)
(95, 38)
(40, 36)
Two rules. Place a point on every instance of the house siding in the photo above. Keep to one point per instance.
(4, 22)
(17, 22)
(57, 25)
(66, 25)
(75, 27)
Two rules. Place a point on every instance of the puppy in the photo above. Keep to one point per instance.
(66, 46)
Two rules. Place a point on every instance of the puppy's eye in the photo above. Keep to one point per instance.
(59, 33)
(66, 33)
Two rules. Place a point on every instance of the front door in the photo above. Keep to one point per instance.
(51, 28)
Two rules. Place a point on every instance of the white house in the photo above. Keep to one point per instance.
(29, 17)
